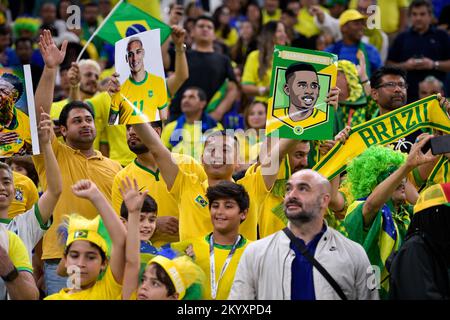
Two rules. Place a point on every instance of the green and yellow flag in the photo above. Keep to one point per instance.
(128, 18)
(384, 130)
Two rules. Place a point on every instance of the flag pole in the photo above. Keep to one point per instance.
(98, 29)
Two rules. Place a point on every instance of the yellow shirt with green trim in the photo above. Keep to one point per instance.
(26, 195)
(139, 102)
(116, 137)
(305, 25)
(153, 181)
(74, 166)
(231, 39)
(195, 219)
(20, 124)
(201, 250)
(275, 17)
(317, 117)
(250, 74)
(105, 289)
(100, 104)
(439, 174)
(193, 139)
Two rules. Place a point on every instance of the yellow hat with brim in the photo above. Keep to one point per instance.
(93, 231)
(350, 15)
(171, 269)
(435, 195)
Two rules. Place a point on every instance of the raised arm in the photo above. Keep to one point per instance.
(74, 81)
(176, 80)
(49, 198)
(133, 199)
(167, 166)
(53, 57)
(88, 190)
(383, 192)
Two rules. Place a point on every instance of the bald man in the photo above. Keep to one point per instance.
(274, 268)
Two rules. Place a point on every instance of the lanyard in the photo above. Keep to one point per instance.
(212, 262)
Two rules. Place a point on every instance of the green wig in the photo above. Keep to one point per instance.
(370, 168)
(26, 23)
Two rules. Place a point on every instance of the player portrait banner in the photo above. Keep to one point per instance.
(18, 130)
(384, 130)
(301, 81)
(143, 94)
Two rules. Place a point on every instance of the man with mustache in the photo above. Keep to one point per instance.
(302, 87)
(273, 268)
(143, 96)
(15, 137)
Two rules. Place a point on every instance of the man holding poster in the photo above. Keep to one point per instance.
(143, 95)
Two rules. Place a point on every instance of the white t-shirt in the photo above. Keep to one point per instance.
(29, 227)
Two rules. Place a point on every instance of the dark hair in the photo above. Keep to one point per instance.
(266, 45)
(23, 39)
(421, 3)
(16, 82)
(100, 250)
(248, 110)
(290, 13)
(154, 124)
(223, 133)
(216, 17)
(375, 79)
(204, 17)
(229, 190)
(69, 107)
(200, 92)
(5, 30)
(298, 66)
(27, 163)
(149, 205)
(435, 223)
(164, 278)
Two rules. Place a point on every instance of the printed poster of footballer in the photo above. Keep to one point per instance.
(301, 80)
(143, 94)
(18, 128)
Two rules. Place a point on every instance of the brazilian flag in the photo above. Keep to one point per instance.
(127, 19)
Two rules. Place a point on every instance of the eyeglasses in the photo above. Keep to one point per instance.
(393, 85)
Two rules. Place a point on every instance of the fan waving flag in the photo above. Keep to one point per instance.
(127, 20)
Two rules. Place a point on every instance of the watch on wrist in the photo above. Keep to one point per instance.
(183, 48)
(11, 276)
(435, 65)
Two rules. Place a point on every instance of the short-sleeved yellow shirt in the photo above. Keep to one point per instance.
(18, 253)
(74, 166)
(153, 181)
(275, 17)
(105, 289)
(139, 102)
(250, 74)
(20, 125)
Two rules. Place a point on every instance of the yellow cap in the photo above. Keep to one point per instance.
(350, 15)
(93, 231)
(435, 195)
(170, 267)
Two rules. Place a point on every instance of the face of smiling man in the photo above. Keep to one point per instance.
(303, 91)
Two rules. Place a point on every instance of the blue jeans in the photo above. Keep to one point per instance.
(53, 282)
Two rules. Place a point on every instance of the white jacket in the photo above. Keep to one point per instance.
(264, 271)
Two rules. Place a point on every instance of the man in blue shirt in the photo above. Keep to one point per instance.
(352, 25)
(423, 50)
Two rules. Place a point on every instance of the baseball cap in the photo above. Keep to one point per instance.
(350, 15)
(436, 195)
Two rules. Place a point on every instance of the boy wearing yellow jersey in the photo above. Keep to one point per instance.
(143, 96)
(218, 253)
(15, 134)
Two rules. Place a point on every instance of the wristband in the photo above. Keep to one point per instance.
(11, 276)
(435, 65)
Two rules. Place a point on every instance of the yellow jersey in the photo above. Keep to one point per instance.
(231, 39)
(316, 118)
(193, 139)
(139, 102)
(195, 220)
(20, 124)
(153, 181)
(105, 289)
(305, 24)
(267, 18)
(200, 247)
(250, 74)
(74, 166)
(25, 195)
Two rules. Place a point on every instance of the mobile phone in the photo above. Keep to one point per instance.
(438, 145)
(56, 122)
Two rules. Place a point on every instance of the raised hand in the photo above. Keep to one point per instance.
(85, 189)
(361, 67)
(44, 127)
(52, 56)
(416, 156)
(74, 74)
(343, 135)
(114, 84)
(443, 102)
(7, 137)
(178, 36)
(132, 197)
(333, 97)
